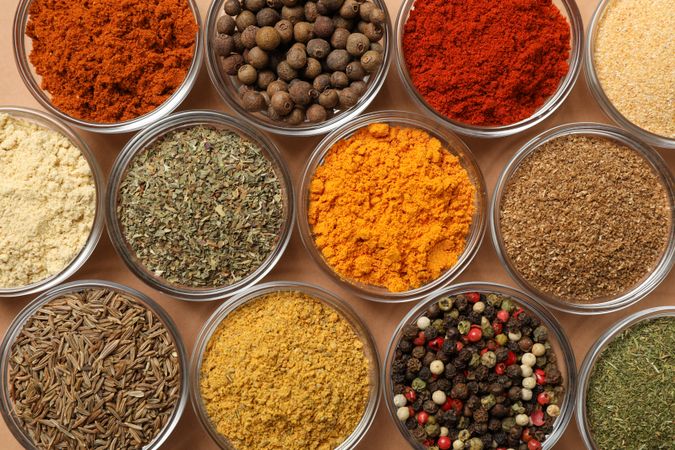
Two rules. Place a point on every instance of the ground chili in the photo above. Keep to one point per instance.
(485, 62)
(111, 60)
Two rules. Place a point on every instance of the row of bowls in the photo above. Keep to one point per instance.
(296, 206)
(380, 379)
(580, 49)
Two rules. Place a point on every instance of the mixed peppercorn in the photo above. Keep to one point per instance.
(476, 371)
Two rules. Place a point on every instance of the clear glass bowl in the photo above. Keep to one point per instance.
(593, 355)
(557, 337)
(596, 88)
(451, 142)
(609, 304)
(22, 48)
(326, 298)
(139, 143)
(569, 10)
(6, 405)
(227, 87)
(47, 121)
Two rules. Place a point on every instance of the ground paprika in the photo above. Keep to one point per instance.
(486, 62)
(111, 60)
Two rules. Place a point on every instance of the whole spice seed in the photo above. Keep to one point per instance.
(634, 62)
(631, 391)
(584, 218)
(111, 61)
(93, 369)
(391, 207)
(201, 207)
(47, 202)
(483, 62)
(285, 371)
(461, 366)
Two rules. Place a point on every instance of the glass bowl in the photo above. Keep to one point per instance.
(22, 48)
(616, 302)
(451, 142)
(596, 88)
(47, 121)
(6, 406)
(327, 299)
(595, 352)
(227, 88)
(150, 135)
(568, 9)
(557, 338)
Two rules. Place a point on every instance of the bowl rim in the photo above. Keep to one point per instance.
(325, 297)
(531, 304)
(139, 143)
(594, 85)
(594, 354)
(452, 143)
(573, 18)
(622, 137)
(19, 43)
(341, 118)
(76, 286)
(47, 121)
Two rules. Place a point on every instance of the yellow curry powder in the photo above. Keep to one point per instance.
(391, 207)
(285, 371)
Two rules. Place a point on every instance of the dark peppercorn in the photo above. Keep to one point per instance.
(460, 391)
(514, 393)
(431, 333)
(430, 407)
(419, 352)
(411, 423)
(525, 344)
(414, 365)
(397, 377)
(425, 374)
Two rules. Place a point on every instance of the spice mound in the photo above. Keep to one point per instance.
(631, 390)
(201, 207)
(391, 206)
(47, 202)
(477, 371)
(486, 63)
(109, 60)
(634, 62)
(585, 218)
(300, 61)
(285, 371)
(93, 369)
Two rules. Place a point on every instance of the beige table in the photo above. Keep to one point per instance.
(296, 264)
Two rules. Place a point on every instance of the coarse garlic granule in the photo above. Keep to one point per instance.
(47, 202)
(285, 371)
(635, 63)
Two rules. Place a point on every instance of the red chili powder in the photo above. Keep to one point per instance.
(111, 60)
(486, 62)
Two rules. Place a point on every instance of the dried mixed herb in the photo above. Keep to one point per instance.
(585, 218)
(93, 369)
(631, 392)
(201, 207)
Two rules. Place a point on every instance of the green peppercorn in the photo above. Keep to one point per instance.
(286, 72)
(357, 44)
(244, 20)
(296, 117)
(285, 29)
(433, 430)
(313, 69)
(418, 384)
(253, 101)
(318, 48)
(303, 32)
(540, 333)
(508, 305)
(232, 7)
(316, 113)
(232, 63)
(475, 360)
(339, 38)
(371, 61)
(282, 103)
(464, 326)
(294, 14)
(296, 57)
(257, 57)
(350, 9)
(488, 359)
(329, 98)
(339, 80)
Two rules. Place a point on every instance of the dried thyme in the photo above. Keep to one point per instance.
(201, 207)
(631, 392)
(93, 369)
(584, 218)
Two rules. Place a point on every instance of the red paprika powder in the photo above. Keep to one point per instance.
(111, 60)
(486, 62)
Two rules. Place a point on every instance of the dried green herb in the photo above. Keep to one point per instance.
(201, 207)
(631, 392)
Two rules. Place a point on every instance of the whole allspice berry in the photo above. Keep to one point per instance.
(232, 7)
(253, 101)
(296, 117)
(285, 29)
(365, 10)
(357, 44)
(355, 71)
(296, 57)
(247, 74)
(350, 9)
(329, 98)
(248, 36)
(265, 77)
(316, 113)
(318, 48)
(338, 59)
(254, 5)
(322, 82)
(301, 92)
(277, 86)
(267, 38)
(232, 63)
(225, 24)
(223, 44)
(330, 5)
(294, 14)
(339, 80)
(238, 45)
(303, 32)
(244, 20)
(267, 17)
(282, 103)
(276, 4)
(371, 60)
(373, 31)
(341, 22)
(359, 87)
(339, 38)
(377, 16)
(257, 57)
(323, 27)
(290, 2)
(347, 98)
(286, 72)
(311, 11)
(313, 69)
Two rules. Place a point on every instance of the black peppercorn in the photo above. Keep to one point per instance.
(460, 391)
(411, 423)
(514, 393)
(419, 352)
(430, 407)
(425, 374)
(414, 365)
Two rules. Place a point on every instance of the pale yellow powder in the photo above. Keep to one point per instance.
(47, 202)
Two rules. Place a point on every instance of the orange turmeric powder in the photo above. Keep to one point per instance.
(391, 207)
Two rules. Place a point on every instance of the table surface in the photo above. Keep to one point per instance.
(295, 263)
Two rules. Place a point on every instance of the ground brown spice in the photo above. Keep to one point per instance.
(584, 218)
(285, 372)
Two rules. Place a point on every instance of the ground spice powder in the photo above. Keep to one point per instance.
(391, 207)
(584, 218)
(285, 371)
(110, 60)
(486, 62)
